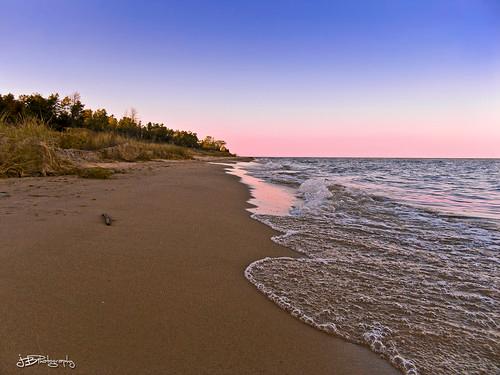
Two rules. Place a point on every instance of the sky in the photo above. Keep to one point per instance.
(381, 78)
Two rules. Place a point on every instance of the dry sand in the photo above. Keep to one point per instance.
(161, 291)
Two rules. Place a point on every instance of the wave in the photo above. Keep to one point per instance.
(416, 287)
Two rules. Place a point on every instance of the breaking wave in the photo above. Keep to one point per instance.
(416, 283)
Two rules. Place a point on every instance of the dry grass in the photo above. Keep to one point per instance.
(140, 151)
(30, 148)
(84, 139)
(116, 147)
(95, 172)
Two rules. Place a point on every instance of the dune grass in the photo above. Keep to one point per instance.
(112, 146)
(95, 172)
(84, 139)
(31, 148)
(141, 151)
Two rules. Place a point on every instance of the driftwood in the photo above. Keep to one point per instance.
(107, 219)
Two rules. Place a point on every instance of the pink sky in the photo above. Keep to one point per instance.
(415, 123)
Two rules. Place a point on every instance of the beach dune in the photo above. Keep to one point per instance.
(160, 291)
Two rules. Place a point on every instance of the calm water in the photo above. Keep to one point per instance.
(399, 255)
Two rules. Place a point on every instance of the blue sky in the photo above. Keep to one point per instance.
(357, 78)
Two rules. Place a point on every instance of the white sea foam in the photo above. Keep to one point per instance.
(417, 287)
(314, 192)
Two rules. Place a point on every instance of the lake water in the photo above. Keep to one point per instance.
(399, 255)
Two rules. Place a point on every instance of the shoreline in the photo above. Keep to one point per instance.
(161, 290)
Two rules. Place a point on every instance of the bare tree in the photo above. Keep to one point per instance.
(131, 113)
(75, 98)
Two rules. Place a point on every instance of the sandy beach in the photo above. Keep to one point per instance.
(160, 291)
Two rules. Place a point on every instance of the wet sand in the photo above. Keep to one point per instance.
(160, 291)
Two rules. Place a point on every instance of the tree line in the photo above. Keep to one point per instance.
(69, 112)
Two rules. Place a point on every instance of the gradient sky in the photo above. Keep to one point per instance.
(415, 78)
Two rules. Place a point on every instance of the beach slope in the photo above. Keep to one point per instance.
(160, 291)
